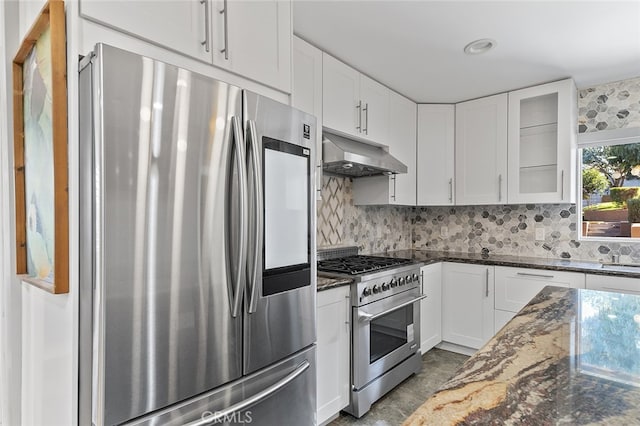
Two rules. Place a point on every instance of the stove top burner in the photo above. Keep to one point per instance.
(354, 265)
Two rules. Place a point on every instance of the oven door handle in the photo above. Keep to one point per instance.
(364, 317)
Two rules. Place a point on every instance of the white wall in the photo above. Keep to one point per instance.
(38, 379)
(10, 288)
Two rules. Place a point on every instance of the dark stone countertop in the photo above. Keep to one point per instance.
(326, 283)
(571, 356)
(428, 257)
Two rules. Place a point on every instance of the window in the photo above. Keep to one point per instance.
(609, 164)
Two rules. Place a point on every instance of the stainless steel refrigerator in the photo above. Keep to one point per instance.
(197, 237)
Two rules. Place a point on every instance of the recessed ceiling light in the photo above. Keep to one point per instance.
(479, 46)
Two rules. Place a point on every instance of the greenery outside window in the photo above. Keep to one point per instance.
(609, 181)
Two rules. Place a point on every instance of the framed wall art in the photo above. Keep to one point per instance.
(40, 152)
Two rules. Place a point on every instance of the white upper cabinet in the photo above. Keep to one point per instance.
(481, 151)
(397, 189)
(542, 139)
(250, 38)
(518, 147)
(402, 145)
(353, 104)
(177, 25)
(253, 39)
(307, 92)
(341, 105)
(435, 159)
(375, 110)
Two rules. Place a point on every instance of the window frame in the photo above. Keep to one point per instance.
(622, 136)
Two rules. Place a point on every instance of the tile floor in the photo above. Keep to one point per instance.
(393, 408)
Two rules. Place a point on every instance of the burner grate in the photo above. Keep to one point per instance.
(354, 265)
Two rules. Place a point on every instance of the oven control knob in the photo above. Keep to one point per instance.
(393, 283)
(401, 281)
(415, 277)
(385, 286)
(376, 289)
(408, 279)
(366, 292)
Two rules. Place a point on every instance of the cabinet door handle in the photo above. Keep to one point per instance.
(562, 186)
(347, 322)
(319, 181)
(394, 187)
(451, 190)
(486, 287)
(366, 118)
(225, 12)
(359, 108)
(206, 43)
(526, 274)
(500, 187)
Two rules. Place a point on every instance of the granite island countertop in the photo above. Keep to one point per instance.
(571, 356)
(428, 257)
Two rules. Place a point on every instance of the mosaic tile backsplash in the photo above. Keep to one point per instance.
(373, 229)
(609, 106)
(497, 229)
(511, 230)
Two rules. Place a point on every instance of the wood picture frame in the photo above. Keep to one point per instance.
(40, 152)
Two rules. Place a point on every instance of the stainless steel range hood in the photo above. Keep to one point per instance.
(348, 157)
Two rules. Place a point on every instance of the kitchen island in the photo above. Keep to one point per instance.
(571, 356)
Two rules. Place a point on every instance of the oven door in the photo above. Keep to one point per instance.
(385, 333)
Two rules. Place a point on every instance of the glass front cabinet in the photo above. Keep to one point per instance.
(542, 127)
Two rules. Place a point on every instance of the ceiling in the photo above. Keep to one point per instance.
(416, 47)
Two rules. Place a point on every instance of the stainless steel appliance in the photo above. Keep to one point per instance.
(197, 238)
(385, 321)
(348, 157)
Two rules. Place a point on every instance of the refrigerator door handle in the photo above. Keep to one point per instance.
(264, 394)
(240, 267)
(256, 215)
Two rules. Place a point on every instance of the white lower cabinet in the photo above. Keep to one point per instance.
(515, 287)
(467, 304)
(616, 284)
(334, 316)
(501, 318)
(431, 307)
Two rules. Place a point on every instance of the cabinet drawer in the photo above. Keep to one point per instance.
(515, 287)
(616, 284)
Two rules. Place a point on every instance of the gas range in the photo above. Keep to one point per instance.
(371, 287)
(385, 321)
(359, 264)
(375, 277)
